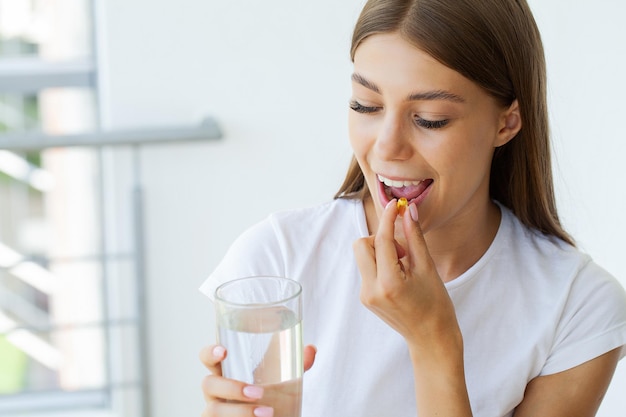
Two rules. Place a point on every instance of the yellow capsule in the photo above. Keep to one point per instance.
(402, 205)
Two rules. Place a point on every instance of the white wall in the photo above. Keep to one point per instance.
(586, 61)
(276, 76)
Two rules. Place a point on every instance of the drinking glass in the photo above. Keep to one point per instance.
(259, 322)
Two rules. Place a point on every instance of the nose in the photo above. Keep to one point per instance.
(393, 142)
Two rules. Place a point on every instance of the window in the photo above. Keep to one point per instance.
(70, 316)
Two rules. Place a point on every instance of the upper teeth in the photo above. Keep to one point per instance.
(393, 183)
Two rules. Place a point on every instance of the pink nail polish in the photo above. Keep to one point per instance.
(264, 412)
(253, 392)
(218, 351)
(413, 211)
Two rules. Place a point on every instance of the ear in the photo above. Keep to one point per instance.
(510, 124)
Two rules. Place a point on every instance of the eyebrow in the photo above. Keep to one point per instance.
(365, 82)
(427, 95)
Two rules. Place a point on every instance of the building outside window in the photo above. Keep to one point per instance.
(70, 324)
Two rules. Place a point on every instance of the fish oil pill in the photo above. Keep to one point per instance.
(402, 205)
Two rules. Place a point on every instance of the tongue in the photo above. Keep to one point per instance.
(410, 192)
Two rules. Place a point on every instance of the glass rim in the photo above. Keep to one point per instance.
(282, 300)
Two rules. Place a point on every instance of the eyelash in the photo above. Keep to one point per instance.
(431, 124)
(359, 108)
(426, 124)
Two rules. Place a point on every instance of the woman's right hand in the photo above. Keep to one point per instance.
(227, 397)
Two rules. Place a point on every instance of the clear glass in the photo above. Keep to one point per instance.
(259, 321)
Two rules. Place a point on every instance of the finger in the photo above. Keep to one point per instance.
(221, 409)
(212, 357)
(386, 247)
(219, 388)
(365, 257)
(418, 254)
(400, 251)
(386, 222)
(309, 356)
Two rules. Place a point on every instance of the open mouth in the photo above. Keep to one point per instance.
(413, 191)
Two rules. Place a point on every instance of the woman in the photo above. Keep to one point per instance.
(477, 287)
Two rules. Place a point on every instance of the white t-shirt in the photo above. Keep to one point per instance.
(530, 306)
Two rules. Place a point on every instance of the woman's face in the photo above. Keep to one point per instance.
(421, 130)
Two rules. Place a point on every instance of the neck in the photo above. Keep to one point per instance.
(458, 245)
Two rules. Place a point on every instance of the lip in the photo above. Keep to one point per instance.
(384, 200)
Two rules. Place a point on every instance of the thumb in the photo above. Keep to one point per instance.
(309, 356)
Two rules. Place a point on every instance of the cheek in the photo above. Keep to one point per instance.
(468, 155)
(481, 146)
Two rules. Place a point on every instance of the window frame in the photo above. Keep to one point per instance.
(23, 75)
(30, 75)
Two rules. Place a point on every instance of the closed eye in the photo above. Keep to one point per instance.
(359, 108)
(431, 124)
(419, 121)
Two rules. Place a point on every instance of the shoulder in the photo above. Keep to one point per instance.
(544, 256)
(313, 230)
(300, 222)
(337, 211)
(562, 271)
(285, 240)
(587, 302)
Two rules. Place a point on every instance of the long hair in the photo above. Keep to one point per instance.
(497, 45)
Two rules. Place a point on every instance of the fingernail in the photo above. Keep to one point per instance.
(253, 392)
(218, 351)
(413, 211)
(393, 201)
(264, 412)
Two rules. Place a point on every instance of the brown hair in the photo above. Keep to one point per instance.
(496, 44)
